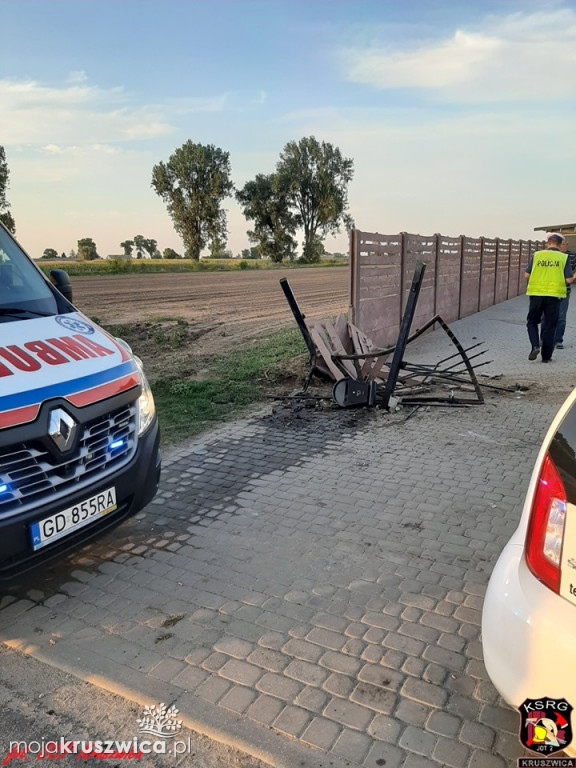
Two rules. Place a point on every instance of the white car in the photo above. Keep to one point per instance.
(529, 614)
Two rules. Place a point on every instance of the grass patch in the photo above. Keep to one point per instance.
(231, 383)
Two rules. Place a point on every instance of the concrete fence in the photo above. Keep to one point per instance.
(463, 275)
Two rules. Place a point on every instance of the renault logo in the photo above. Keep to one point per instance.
(62, 429)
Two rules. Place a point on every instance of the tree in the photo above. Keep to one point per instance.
(87, 249)
(151, 247)
(139, 242)
(128, 247)
(218, 248)
(170, 253)
(50, 253)
(251, 253)
(266, 201)
(316, 178)
(193, 184)
(72, 254)
(5, 216)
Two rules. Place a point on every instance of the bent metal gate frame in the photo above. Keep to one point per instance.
(366, 375)
(464, 275)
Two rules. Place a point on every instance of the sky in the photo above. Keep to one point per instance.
(459, 115)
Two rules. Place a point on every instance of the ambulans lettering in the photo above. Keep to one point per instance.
(46, 353)
(101, 351)
(55, 351)
(19, 359)
(71, 348)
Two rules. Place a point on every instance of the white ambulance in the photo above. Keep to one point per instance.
(79, 438)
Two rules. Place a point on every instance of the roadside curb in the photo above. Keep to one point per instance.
(208, 720)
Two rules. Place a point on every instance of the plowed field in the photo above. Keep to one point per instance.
(220, 308)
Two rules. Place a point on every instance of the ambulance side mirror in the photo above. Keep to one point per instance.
(61, 279)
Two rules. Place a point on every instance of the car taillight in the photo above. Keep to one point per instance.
(546, 526)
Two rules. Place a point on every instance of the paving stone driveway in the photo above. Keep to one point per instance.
(308, 586)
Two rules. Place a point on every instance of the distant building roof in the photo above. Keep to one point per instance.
(562, 228)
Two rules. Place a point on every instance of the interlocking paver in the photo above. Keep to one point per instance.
(272, 661)
(326, 638)
(348, 714)
(240, 672)
(412, 712)
(312, 699)
(321, 733)
(374, 697)
(384, 755)
(307, 673)
(232, 646)
(238, 699)
(444, 724)
(338, 662)
(451, 753)
(385, 728)
(425, 693)
(355, 647)
(339, 685)
(405, 644)
(381, 620)
(190, 678)
(281, 687)
(477, 735)
(265, 709)
(352, 745)
(213, 689)
(292, 720)
(301, 649)
(418, 740)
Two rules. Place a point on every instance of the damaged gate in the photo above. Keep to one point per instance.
(370, 376)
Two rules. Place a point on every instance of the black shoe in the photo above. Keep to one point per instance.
(560, 346)
(534, 354)
(548, 360)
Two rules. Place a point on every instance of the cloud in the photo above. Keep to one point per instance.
(519, 57)
(75, 151)
(77, 76)
(80, 114)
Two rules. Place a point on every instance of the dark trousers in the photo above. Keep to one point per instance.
(544, 308)
(561, 327)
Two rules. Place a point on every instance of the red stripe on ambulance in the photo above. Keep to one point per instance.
(104, 390)
(18, 416)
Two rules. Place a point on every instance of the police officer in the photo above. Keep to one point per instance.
(548, 273)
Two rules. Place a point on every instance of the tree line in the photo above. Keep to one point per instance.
(308, 191)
